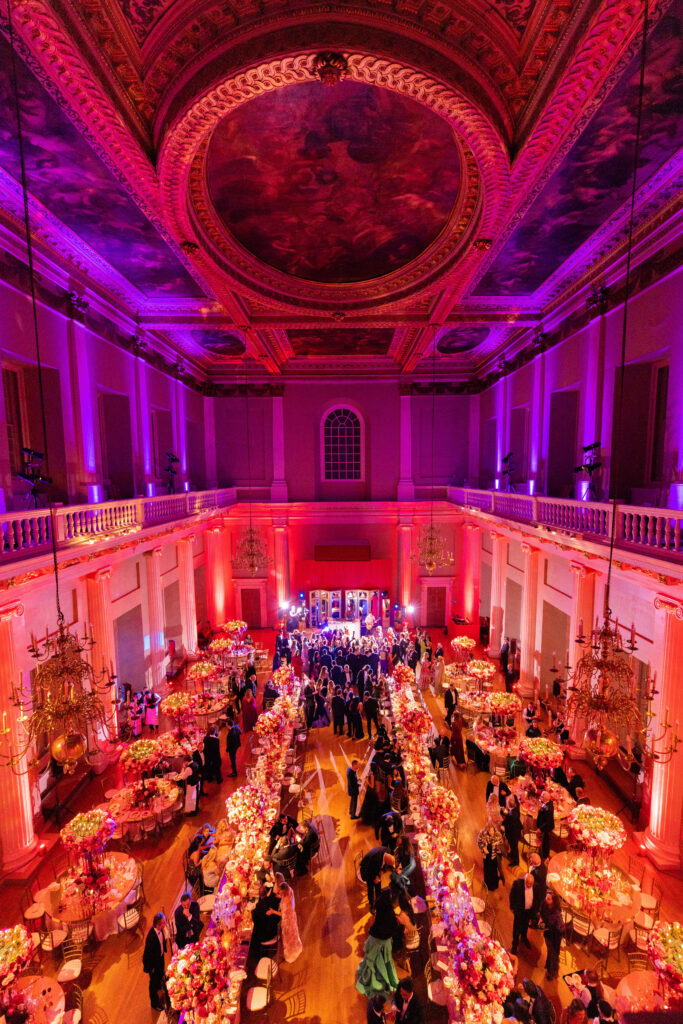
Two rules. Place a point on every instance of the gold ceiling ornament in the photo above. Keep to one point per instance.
(251, 553)
(65, 702)
(602, 693)
(330, 67)
(432, 548)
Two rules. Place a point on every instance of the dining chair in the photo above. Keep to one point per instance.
(638, 961)
(469, 876)
(639, 936)
(487, 920)
(52, 938)
(81, 931)
(72, 962)
(130, 919)
(74, 1015)
(636, 869)
(149, 826)
(651, 901)
(436, 990)
(609, 939)
(582, 926)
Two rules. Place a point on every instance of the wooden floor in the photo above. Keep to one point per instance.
(332, 909)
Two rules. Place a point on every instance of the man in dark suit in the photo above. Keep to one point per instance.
(409, 1009)
(495, 782)
(440, 751)
(232, 745)
(450, 700)
(284, 826)
(371, 711)
(212, 756)
(188, 924)
(545, 823)
(153, 962)
(352, 788)
(270, 691)
(389, 829)
(574, 782)
(521, 902)
(374, 863)
(540, 872)
(338, 712)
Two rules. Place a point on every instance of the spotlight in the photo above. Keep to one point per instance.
(410, 609)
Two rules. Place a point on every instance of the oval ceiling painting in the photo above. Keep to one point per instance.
(219, 343)
(462, 339)
(334, 185)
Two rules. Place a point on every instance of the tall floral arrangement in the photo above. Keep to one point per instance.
(197, 976)
(404, 676)
(481, 977)
(480, 669)
(665, 944)
(16, 952)
(269, 723)
(540, 753)
(88, 833)
(178, 705)
(596, 829)
(142, 756)
(200, 671)
(234, 627)
(463, 644)
(417, 721)
(440, 806)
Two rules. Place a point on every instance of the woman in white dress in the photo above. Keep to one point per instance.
(289, 927)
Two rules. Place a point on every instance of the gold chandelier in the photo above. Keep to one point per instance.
(251, 553)
(603, 694)
(432, 548)
(64, 702)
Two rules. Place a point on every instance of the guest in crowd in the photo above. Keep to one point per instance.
(284, 828)
(270, 692)
(409, 1009)
(521, 902)
(352, 788)
(529, 714)
(376, 972)
(188, 925)
(389, 828)
(307, 842)
(399, 793)
(575, 784)
(151, 702)
(575, 1013)
(249, 710)
(374, 864)
(490, 842)
(540, 872)
(212, 756)
(371, 712)
(591, 993)
(559, 776)
(499, 787)
(232, 744)
(154, 961)
(211, 868)
(291, 941)
(545, 822)
(457, 747)
(375, 1011)
(533, 731)
(405, 862)
(450, 700)
(266, 920)
(515, 1006)
(512, 826)
(201, 843)
(540, 1007)
(553, 932)
(338, 705)
(192, 779)
(371, 807)
(440, 751)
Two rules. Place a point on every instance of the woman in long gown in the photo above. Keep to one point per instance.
(371, 806)
(490, 842)
(289, 926)
(376, 972)
(457, 746)
(438, 672)
(249, 711)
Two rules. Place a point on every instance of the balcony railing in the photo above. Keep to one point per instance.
(23, 534)
(655, 530)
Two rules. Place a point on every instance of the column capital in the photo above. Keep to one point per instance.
(497, 535)
(11, 611)
(671, 605)
(580, 570)
(218, 528)
(529, 549)
(189, 540)
(280, 523)
(475, 527)
(101, 574)
(153, 553)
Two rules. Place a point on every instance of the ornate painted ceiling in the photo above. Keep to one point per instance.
(469, 174)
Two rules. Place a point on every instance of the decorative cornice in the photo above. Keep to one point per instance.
(671, 605)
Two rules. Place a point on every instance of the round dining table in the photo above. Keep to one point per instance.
(488, 740)
(126, 807)
(615, 907)
(563, 801)
(45, 996)
(638, 991)
(65, 901)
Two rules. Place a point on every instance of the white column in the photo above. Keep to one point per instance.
(498, 563)
(188, 606)
(527, 679)
(17, 838)
(278, 488)
(103, 655)
(406, 487)
(583, 614)
(663, 835)
(180, 434)
(281, 561)
(155, 615)
(405, 563)
(215, 575)
(471, 573)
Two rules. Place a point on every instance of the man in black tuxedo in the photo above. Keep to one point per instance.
(495, 782)
(374, 863)
(574, 782)
(540, 872)
(371, 711)
(450, 700)
(389, 829)
(545, 823)
(338, 712)
(409, 1009)
(212, 756)
(188, 924)
(352, 788)
(232, 745)
(521, 902)
(284, 826)
(153, 962)
(440, 751)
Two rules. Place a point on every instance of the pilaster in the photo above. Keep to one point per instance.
(103, 655)
(155, 613)
(527, 679)
(188, 606)
(498, 564)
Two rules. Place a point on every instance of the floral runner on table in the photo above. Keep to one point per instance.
(16, 953)
(665, 944)
(204, 979)
(477, 972)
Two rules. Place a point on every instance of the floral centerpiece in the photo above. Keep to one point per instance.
(541, 754)
(463, 644)
(596, 829)
(142, 756)
(481, 977)
(88, 833)
(200, 671)
(234, 627)
(501, 703)
(417, 720)
(244, 807)
(665, 944)
(472, 700)
(16, 952)
(269, 723)
(595, 886)
(197, 976)
(404, 675)
(208, 703)
(178, 705)
(440, 806)
(221, 645)
(480, 669)
(171, 745)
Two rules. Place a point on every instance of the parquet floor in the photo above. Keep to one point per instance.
(332, 909)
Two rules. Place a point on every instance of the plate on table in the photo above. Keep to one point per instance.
(553, 876)
(623, 900)
(238, 974)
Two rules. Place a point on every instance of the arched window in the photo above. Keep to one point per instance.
(342, 446)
